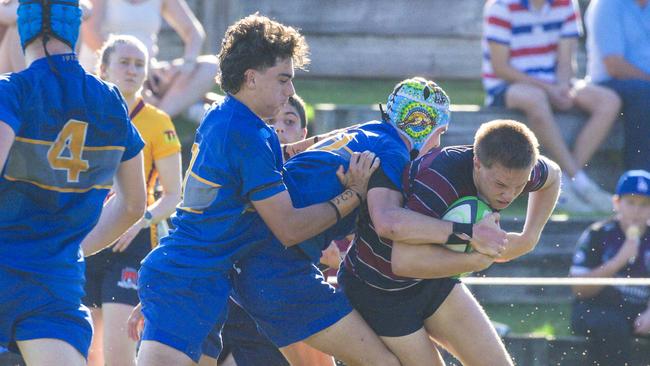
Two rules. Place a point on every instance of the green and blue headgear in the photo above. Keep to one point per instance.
(417, 108)
(58, 19)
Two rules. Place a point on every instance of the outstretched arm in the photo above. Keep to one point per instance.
(169, 175)
(292, 149)
(294, 225)
(122, 210)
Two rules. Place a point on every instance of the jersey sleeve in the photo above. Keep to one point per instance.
(430, 192)
(256, 160)
(572, 24)
(538, 175)
(587, 254)
(9, 102)
(497, 26)
(379, 179)
(164, 141)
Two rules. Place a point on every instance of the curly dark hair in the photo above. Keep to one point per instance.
(257, 42)
(507, 142)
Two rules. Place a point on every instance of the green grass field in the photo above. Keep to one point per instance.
(539, 319)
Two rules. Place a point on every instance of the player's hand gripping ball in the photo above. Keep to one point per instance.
(466, 210)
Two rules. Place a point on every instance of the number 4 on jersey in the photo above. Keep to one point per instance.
(65, 152)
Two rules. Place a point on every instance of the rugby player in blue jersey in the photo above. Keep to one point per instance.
(65, 140)
(236, 211)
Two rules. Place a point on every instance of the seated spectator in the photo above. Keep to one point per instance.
(618, 50)
(172, 86)
(610, 316)
(529, 51)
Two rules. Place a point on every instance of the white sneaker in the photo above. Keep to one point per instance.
(571, 203)
(599, 199)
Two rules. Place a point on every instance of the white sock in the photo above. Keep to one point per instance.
(581, 180)
(567, 182)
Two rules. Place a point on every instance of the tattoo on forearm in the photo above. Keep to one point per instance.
(343, 197)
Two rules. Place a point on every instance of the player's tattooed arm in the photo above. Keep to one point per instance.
(294, 225)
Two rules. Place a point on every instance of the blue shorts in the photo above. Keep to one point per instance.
(113, 276)
(396, 313)
(30, 309)
(181, 312)
(242, 339)
(286, 294)
(312, 179)
(499, 96)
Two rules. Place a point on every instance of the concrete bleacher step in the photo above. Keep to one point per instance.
(465, 119)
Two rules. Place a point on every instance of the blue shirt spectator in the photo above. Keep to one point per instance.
(618, 49)
(624, 31)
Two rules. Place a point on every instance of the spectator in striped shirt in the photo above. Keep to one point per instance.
(528, 65)
(403, 288)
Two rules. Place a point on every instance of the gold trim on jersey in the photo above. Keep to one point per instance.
(57, 189)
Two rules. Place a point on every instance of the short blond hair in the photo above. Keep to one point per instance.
(509, 143)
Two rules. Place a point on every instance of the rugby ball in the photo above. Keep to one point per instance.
(466, 210)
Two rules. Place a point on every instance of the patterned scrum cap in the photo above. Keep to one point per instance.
(418, 108)
(58, 19)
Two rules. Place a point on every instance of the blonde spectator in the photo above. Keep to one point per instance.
(175, 85)
(112, 274)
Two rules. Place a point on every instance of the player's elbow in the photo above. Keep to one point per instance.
(287, 237)
(386, 228)
(134, 209)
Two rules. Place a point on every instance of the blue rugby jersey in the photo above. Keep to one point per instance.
(431, 183)
(311, 175)
(375, 136)
(236, 159)
(72, 132)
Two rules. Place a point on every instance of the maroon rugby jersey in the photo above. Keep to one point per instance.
(431, 184)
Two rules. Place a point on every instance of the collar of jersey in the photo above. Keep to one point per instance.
(240, 107)
(60, 60)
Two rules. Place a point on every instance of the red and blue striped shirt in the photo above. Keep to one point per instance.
(532, 36)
